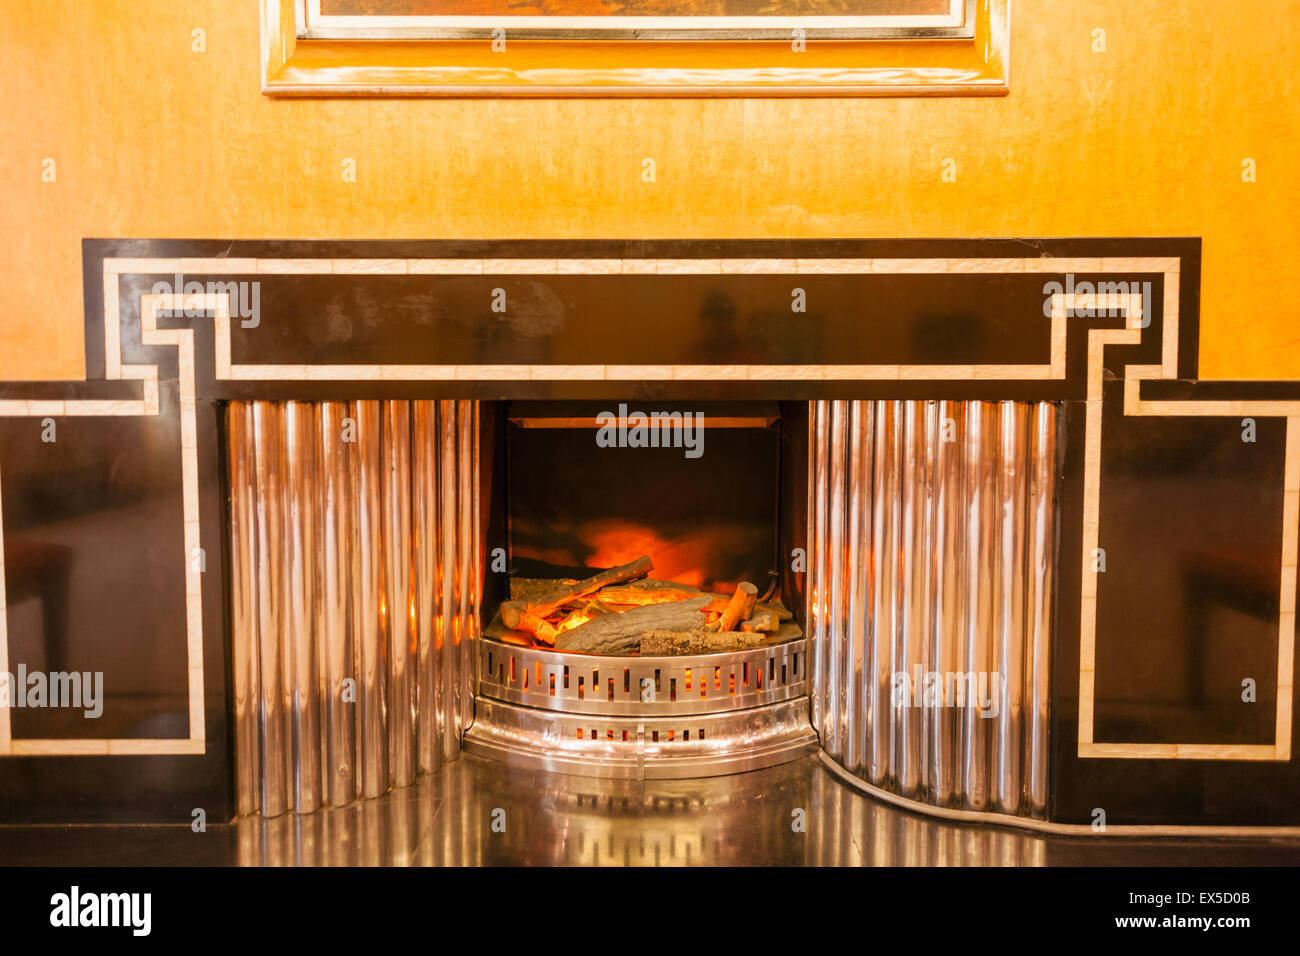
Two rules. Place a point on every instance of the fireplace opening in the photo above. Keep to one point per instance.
(632, 530)
(643, 604)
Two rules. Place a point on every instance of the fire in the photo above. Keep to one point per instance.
(573, 620)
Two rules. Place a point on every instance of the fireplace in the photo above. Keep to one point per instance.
(958, 488)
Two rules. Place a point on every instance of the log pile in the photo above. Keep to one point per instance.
(624, 611)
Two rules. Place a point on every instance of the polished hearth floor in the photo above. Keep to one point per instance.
(478, 811)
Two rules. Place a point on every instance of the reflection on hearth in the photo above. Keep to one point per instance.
(547, 819)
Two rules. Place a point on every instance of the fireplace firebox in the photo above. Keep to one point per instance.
(648, 623)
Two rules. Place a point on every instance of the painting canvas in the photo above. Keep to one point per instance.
(642, 19)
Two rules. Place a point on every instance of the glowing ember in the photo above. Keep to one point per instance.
(573, 620)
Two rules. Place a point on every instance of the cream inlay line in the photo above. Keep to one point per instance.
(183, 340)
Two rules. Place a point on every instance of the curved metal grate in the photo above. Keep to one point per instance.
(642, 686)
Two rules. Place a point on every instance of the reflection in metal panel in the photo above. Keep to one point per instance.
(354, 595)
(933, 535)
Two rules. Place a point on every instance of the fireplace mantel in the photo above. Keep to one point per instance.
(1179, 498)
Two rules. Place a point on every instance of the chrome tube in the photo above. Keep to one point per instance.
(424, 504)
(835, 567)
(947, 583)
(983, 569)
(880, 722)
(274, 743)
(470, 432)
(819, 544)
(1038, 602)
(467, 575)
(925, 598)
(1009, 633)
(447, 621)
(370, 607)
(909, 637)
(299, 572)
(399, 599)
(243, 606)
(333, 608)
(857, 600)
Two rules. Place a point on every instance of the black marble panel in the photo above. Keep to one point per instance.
(1169, 650)
(646, 320)
(1187, 608)
(95, 568)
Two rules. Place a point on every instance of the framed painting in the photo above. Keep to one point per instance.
(637, 19)
(634, 47)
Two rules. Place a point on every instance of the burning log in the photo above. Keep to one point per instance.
(526, 589)
(782, 613)
(648, 591)
(698, 641)
(543, 630)
(763, 619)
(580, 616)
(622, 633)
(739, 607)
(512, 612)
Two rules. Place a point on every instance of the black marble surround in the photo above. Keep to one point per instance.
(1191, 517)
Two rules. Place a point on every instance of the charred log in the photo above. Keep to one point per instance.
(512, 612)
(622, 633)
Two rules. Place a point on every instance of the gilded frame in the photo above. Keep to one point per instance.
(720, 63)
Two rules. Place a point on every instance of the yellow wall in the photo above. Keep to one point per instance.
(1146, 139)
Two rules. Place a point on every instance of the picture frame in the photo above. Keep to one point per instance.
(673, 58)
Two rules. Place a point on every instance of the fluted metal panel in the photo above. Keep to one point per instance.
(355, 595)
(932, 530)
